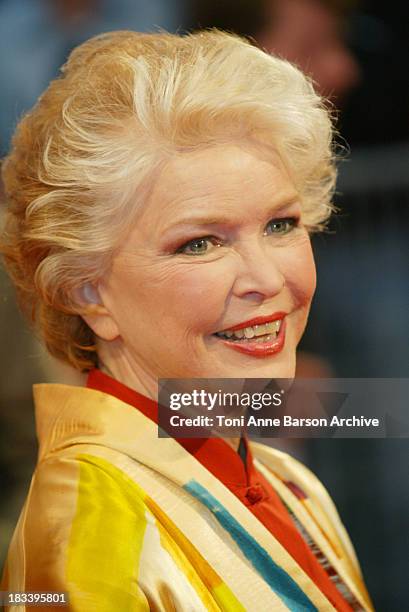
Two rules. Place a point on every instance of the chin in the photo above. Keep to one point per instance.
(284, 368)
(274, 366)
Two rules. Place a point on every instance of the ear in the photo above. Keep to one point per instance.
(95, 313)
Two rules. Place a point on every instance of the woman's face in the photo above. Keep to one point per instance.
(219, 246)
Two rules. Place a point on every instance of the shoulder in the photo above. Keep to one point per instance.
(67, 485)
(294, 472)
(89, 529)
(81, 530)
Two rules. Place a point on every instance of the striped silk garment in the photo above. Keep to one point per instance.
(123, 520)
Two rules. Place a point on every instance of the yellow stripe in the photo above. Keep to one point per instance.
(200, 574)
(106, 540)
(226, 599)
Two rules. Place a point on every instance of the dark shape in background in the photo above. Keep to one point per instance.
(395, 428)
(331, 401)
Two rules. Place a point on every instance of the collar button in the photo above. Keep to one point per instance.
(254, 494)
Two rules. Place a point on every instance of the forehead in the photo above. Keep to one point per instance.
(220, 177)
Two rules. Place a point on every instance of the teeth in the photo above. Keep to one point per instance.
(260, 340)
(263, 339)
(274, 326)
(259, 330)
(255, 331)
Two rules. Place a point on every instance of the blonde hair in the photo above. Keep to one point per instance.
(81, 160)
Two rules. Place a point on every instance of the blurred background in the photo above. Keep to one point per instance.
(357, 53)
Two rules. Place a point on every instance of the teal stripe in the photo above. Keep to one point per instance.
(278, 580)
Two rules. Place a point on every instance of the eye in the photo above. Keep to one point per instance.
(281, 226)
(199, 246)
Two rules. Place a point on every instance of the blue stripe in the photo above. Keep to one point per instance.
(278, 580)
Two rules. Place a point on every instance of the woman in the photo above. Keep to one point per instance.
(161, 195)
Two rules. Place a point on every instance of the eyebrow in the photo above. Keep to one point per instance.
(227, 220)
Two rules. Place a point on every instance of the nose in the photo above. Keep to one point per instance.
(259, 275)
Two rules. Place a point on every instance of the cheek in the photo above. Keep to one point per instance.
(197, 293)
(300, 274)
(191, 296)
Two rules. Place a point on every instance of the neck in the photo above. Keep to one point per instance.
(114, 362)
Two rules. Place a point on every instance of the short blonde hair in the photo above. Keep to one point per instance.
(81, 159)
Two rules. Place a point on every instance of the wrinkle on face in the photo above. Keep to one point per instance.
(167, 305)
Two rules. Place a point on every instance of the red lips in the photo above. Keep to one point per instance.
(255, 349)
(258, 321)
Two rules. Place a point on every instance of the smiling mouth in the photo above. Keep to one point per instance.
(259, 334)
(260, 337)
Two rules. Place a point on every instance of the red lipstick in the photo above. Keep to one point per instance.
(251, 346)
(259, 321)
